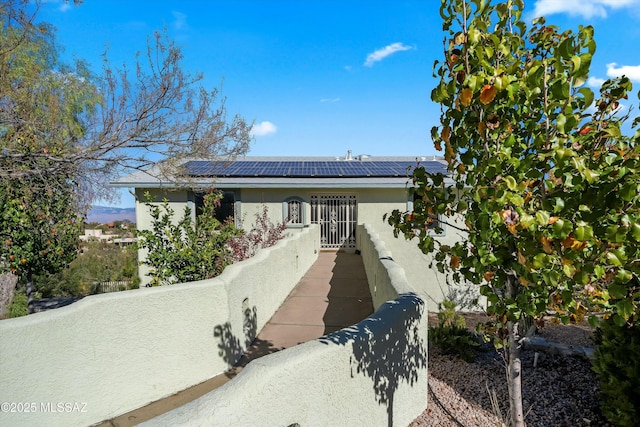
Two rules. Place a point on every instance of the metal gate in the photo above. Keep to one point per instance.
(336, 215)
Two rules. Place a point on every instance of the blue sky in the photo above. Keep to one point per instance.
(322, 77)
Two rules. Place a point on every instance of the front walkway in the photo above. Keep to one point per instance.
(332, 295)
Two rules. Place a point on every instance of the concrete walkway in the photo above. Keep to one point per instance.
(332, 295)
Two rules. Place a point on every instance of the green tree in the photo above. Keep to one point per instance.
(154, 113)
(38, 232)
(545, 186)
(64, 132)
(183, 250)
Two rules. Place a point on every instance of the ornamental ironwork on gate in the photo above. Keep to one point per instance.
(336, 216)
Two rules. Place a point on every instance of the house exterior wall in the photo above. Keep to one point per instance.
(372, 203)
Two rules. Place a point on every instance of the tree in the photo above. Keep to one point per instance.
(545, 187)
(154, 114)
(64, 132)
(38, 232)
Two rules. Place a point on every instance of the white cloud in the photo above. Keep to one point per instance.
(329, 100)
(63, 5)
(180, 20)
(380, 54)
(631, 71)
(595, 82)
(263, 128)
(584, 8)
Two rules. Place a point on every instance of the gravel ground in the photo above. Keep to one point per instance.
(559, 391)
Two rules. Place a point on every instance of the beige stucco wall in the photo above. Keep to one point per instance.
(373, 204)
(373, 373)
(115, 352)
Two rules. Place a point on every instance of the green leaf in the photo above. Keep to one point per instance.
(617, 291)
(625, 308)
(542, 217)
(511, 183)
(635, 231)
(613, 259)
(583, 231)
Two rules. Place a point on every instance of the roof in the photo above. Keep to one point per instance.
(280, 172)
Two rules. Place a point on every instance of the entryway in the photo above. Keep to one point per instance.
(336, 215)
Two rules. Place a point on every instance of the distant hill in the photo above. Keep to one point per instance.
(106, 214)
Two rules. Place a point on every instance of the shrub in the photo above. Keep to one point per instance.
(182, 251)
(451, 335)
(19, 305)
(263, 234)
(617, 362)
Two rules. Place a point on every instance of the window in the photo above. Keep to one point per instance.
(293, 212)
(226, 210)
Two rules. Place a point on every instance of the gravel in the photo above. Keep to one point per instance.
(559, 391)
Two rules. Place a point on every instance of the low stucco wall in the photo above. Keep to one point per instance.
(373, 373)
(108, 354)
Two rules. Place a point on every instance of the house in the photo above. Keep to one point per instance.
(338, 193)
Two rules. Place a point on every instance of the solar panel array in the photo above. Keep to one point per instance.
(308, 169)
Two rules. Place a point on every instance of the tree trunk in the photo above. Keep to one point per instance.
(514, 376)
(7, 290)
(30, 293)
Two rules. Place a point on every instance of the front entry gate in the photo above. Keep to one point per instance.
(336, 215)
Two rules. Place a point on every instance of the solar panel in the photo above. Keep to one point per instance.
(300, 169)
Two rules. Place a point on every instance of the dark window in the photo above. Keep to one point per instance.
(293, 212)
(226, 209)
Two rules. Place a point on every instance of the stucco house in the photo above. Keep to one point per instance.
(338, 193)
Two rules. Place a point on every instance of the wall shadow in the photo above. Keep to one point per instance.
(349, 298)
(387, 347)
(236, 352)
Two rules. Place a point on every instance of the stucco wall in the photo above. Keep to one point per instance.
(115, 352)
(373, 373)
(373, 203)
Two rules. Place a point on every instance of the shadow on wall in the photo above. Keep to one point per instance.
(387, 347)
(237, 353)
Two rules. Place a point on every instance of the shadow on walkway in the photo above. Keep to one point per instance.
(332, 295)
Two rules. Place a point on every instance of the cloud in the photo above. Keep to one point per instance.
(63, 5)
(263, 128)
(584, 8)
(595, 82)
(180, 20)
(631, 71)
(329, 100)
(380, 54)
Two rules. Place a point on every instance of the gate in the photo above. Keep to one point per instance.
(336, 215)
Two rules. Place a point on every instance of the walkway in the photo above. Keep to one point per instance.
(332, 295)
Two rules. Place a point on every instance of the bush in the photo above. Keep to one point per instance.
(262, 234)
(97, 262)
(182, 251)
(451, 335)
(617, 362)
(19, 305)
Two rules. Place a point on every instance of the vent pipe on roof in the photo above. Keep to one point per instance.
(349, 155)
